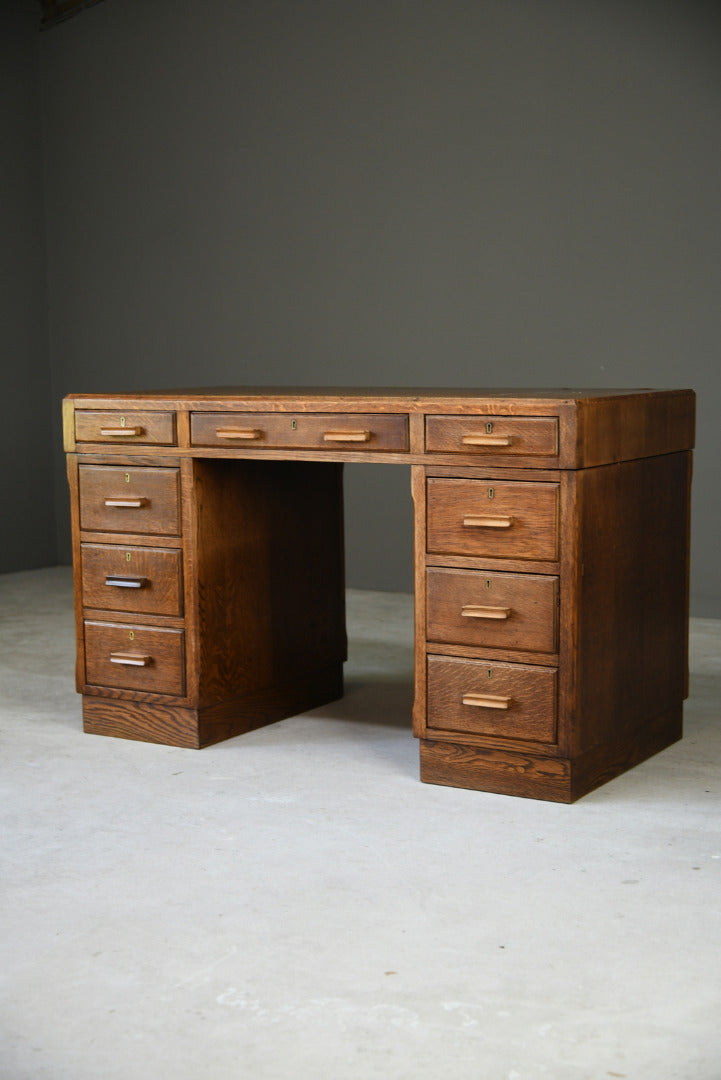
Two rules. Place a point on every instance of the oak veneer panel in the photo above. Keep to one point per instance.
(531, 510)
(162, 651)
(483, 608)
(418, 494)
(491, 435)
(632, 610)
(73, 484)
(497, 770)
(111, 573)
(609, 759)
(155, 491)
(325, 431)
(68, 414)
(270, 574)
(254, 709)
(529, 694)
(125, 428)
(170, 725)
(635, 425)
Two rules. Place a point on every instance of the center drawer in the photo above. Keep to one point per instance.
(302, 431)
(147, 580)
(129, 500)
(503, 611)
(506, 519)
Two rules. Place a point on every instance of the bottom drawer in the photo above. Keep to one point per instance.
(482, 697)
(143, 658)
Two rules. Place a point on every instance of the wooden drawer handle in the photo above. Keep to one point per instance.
(122, 582)
(471, 611)
(487, 701)
(127, 504)
(130, 659)
(346, 436)
(478, 522)
(251, 434)
(122, 432)
(487, 440)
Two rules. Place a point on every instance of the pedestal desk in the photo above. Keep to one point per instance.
(551, 568)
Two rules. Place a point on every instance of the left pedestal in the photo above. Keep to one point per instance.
(209, 594)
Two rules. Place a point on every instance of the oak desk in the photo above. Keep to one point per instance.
(551, 568)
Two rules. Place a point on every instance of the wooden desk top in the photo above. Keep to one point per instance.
(595, 426)
(410, 397)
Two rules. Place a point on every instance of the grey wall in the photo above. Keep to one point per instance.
(459, 192)
(27, 505)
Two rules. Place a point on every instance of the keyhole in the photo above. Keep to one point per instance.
(122, 421)
(131, 635)
(294, 424)
(488, 583)
(127, 478)
(127, 556)
(491, 493)
(490, 674)
(489, 428)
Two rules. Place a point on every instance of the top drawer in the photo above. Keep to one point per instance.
(490, 436)
(149, 428)
(301, 431)
(128, 500)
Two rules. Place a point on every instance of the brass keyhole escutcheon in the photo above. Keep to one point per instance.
(127, 478)
(127, 556)
(294, 424)
(491, 493)
(488, 583)
(131, 636)
(489, 428)
(490, 674)
(122, 421)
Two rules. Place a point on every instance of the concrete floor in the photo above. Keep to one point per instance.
(293, 903)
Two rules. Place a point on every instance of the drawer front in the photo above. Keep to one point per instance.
(147, 580)
(154, 428)
(301, 431)
(142, 658)
(480, 697)
(508, 519)
(489, 436)
(128, 500)
(502, 611)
